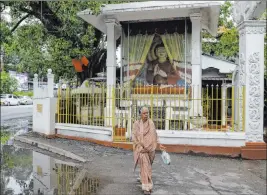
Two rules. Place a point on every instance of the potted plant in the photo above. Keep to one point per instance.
(199, 121)
(120, 130)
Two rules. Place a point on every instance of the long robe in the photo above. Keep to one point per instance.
(145, 141)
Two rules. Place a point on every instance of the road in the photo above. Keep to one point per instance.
(14, 112)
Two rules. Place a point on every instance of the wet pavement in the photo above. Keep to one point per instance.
(15, 112)
(28, 169)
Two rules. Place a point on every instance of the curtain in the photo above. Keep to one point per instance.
(175, 48)
(138, 48)
(174, 45)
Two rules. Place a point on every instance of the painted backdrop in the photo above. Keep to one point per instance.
(163, 62)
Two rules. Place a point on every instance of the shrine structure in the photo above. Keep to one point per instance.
(161, 52)
(161, 59)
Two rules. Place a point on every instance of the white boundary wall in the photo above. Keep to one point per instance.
(44, 105)
(196, 138)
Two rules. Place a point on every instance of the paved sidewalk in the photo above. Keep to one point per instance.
(186, 175)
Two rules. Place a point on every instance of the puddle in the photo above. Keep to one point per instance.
(29, 172)
(24, 171)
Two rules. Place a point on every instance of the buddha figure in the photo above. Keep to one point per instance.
(161, 71)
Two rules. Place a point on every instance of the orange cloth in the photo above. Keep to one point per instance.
(77, 65)
(85, 61)
(145, 141)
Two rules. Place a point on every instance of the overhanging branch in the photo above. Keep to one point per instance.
(19, 22)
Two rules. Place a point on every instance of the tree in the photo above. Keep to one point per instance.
(8, 84)
(227, 44)
(52, 35)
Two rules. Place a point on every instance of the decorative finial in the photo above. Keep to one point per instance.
(49, 71)
(35, 76)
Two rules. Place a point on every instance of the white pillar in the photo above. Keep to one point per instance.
(111, 51)
(251, 56)
(111, 70)
(35, 85)
(50, 83)
(196, 64)
(44, 106)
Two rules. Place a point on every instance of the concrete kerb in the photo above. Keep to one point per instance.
(49, 148)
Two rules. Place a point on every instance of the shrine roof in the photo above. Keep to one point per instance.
(155, 11)
(152, 5)
(224, 66)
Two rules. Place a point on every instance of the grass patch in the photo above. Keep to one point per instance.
(23, 93)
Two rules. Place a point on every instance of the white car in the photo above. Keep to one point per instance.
(25, 100)
(9, 100)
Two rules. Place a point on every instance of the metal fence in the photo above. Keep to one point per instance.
(216, 108)
(72, 180)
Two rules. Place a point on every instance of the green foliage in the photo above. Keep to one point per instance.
(23, 93)
(228, 38)
(229, 43)
(225, 14)
(8, 84)
(52, 36)
(5, 136)
(4, 31)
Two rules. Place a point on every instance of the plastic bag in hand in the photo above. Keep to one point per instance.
(166, 158)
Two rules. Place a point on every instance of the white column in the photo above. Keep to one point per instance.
(50, 83)
(111, 52)
(251, 56)
(111, 70)
(196, 64)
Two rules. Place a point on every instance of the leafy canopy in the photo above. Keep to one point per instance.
(8, 84)
(227, 44)
(52, 34)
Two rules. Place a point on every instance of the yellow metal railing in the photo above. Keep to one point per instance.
(82, 106)
(208, 108)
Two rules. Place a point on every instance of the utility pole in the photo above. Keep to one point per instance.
(2, 59)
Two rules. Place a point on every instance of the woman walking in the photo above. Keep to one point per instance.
(145, 141)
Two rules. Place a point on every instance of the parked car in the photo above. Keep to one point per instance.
(25, 100)
(9, 100)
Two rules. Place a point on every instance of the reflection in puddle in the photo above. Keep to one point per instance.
(28, 172)
(53, 176)
(24, 171)
(16, 170)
